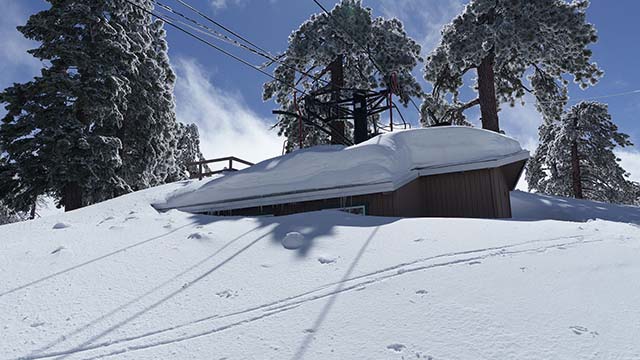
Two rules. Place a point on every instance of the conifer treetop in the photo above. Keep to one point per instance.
(539, 39)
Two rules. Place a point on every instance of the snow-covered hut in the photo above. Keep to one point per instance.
(443, 171)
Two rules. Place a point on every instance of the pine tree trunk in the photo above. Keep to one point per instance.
(487, 94)
(575, 171)
(72, 196)
(32, 215)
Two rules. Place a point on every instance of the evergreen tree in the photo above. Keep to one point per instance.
(100, 120)
(321, 40)
(59, 130)
(575, 157)
(8, 216)
(502, 40)
(188, 151)
(150, 130)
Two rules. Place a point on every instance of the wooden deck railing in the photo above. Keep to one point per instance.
(201, 165)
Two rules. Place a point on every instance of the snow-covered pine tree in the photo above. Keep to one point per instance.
(503, 40)
(149, 133)
(188, 151)
(100, 120)
(59, 132)
(8, 216)
(575, 157)
(321, 39)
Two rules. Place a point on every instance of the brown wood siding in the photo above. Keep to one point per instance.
(476, 194)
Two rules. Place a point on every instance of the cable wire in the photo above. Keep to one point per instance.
(593, 98)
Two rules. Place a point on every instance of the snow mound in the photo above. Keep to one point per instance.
(387, 158)
(293, 240)
(61, 225)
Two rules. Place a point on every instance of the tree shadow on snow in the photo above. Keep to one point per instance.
(310, 225)
(317, 224)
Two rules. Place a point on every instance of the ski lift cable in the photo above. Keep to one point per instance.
(213, 21)
(594, 98)
(218, 35)
(208, 43)
(256, 50)
(225, 52)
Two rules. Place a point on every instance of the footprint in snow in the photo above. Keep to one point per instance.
(396, 347)
(579, 330)
(57, 250)
(61, 225)
(106, 219)
(37, 324)
(200, 236)
(326, 260)
(225, 294)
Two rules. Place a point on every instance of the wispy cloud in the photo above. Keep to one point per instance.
(223, 4)
(423, 19)
(227, 125)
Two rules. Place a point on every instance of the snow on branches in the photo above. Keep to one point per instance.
(537, 39)
(372, 50)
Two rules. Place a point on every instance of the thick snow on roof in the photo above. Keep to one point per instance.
(391, 159)
(120, 281)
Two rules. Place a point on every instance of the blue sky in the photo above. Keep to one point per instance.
(224, 98)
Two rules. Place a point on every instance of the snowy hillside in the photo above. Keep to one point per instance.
(119, 280)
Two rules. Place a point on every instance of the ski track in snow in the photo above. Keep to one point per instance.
(193, 329)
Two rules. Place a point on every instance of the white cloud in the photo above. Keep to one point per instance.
(15, 63)
(227, 126)
(630, 161)
(521, 122)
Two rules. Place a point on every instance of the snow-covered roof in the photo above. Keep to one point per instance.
(382, 163)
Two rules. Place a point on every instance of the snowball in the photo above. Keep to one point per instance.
(293, 240)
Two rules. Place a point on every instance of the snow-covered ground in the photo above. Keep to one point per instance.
(119, 280)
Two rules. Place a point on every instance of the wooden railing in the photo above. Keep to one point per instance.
(201, 166)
